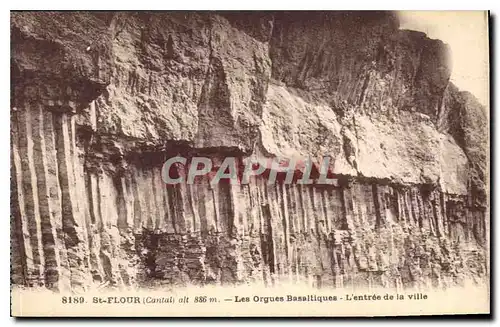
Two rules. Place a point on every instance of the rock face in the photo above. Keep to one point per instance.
(101, 100)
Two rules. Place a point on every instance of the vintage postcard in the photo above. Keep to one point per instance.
(249, 164)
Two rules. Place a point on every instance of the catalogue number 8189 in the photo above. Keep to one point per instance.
(72, 299)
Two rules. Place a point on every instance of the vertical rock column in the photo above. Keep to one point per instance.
(48, 223)
(27, 227)
(73, 220)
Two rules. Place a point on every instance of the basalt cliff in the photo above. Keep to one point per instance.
(99, 101)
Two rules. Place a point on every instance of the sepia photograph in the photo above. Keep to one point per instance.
(249, 163)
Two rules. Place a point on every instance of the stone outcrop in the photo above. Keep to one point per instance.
(100, 100)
